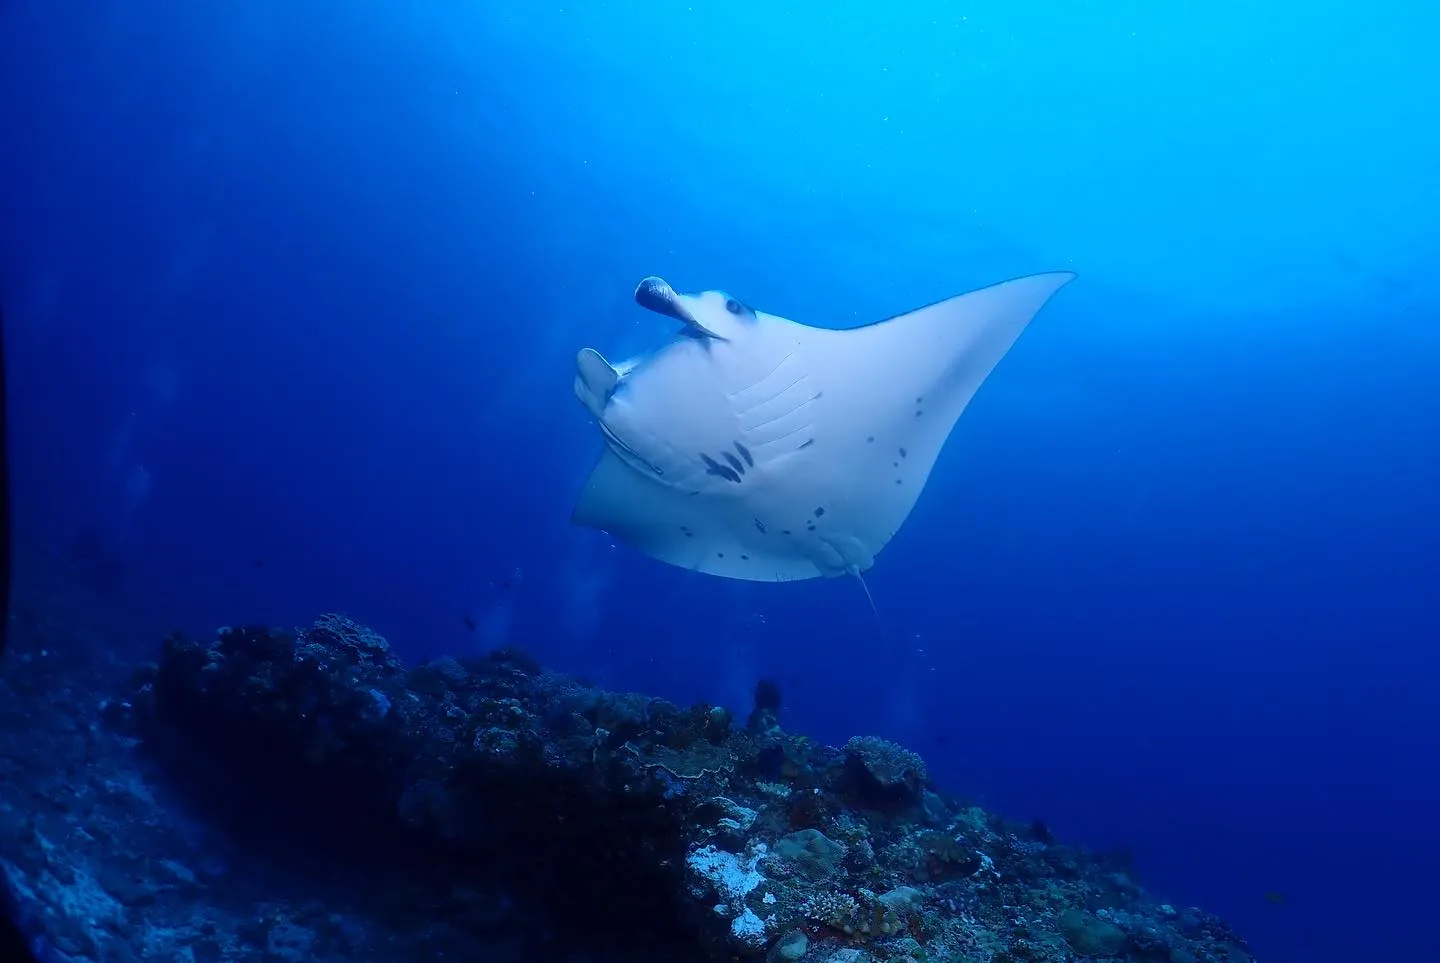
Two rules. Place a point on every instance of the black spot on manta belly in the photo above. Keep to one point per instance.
(713, 467)
(904, 453)
(820, 511)
(807, 444)
(760, 526)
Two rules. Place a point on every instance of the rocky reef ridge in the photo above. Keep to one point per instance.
(488, 805)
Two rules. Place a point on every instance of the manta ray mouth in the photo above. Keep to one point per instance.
(654, 294)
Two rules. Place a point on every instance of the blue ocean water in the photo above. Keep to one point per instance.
(294, 292)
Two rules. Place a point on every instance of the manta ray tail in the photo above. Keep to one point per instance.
(873, 608)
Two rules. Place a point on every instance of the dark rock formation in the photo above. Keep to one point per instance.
(487, 808)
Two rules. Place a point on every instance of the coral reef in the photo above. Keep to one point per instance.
(487, 806)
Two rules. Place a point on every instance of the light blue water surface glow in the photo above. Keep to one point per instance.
(295, 291)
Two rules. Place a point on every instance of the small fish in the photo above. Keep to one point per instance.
(469, 622)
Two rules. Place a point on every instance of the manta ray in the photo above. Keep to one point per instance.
(755, 447)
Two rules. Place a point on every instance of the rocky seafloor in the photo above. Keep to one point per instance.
(289, 796)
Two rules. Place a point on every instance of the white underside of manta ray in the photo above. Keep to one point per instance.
(754, 447)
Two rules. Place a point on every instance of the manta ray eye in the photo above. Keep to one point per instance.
(733, 306)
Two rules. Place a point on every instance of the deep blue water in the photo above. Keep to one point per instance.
(295, 289)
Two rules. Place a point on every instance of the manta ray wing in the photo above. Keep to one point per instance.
(894, 391)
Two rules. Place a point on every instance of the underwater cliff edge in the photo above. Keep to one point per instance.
(491, 808)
